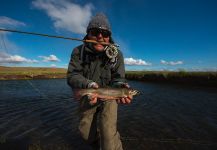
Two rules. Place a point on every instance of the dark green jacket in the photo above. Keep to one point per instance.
(88, 66)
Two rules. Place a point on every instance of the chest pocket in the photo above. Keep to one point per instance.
(105, 77)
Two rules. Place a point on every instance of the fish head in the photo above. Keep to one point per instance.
(133, 92)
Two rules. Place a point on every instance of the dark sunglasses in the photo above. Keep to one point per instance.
(96, 32)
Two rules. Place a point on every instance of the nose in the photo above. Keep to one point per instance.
(99, 36)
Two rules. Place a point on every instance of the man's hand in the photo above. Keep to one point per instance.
(93, 97)
(93, 85)
(126, 99)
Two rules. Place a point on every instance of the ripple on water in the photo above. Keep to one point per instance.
(43, 114)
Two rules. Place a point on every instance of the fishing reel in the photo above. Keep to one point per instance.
(111, 51)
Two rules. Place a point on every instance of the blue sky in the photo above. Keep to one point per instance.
(152, 34)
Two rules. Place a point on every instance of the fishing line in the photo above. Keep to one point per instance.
(37, 90)
(3, 41)
(43, 95)
(2, 48)
(46, 97)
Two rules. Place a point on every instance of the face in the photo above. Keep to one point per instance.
(99, 35)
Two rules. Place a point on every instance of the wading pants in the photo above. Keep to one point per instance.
(98, 124)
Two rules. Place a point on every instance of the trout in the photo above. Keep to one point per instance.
(107, 93)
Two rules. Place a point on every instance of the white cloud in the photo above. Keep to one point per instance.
(172, 63)
(53, 65)
(7, 58)
(51, 58)
(139, 62)
(6, 21)
(66, 15)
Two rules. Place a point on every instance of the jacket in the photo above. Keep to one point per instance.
(87, 65)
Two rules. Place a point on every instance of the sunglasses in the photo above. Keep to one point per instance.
(96, 32)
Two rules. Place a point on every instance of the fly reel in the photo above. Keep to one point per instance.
(111, 51)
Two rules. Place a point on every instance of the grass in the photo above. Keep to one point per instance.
(30, 70)
(204, 78)
(199, 78)
(7, 73)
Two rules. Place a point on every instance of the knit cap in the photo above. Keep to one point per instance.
(99, 21)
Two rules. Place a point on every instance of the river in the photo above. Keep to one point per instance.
(41, 114)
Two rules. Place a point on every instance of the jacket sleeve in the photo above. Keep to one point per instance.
(118, 72)
(75, 77)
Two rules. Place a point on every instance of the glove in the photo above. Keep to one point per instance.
(93, 85)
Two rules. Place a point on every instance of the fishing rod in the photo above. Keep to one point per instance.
(56, 36)
(111, 49)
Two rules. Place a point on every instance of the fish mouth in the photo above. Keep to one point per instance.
(134, 92)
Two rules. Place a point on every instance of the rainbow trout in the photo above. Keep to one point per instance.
(107, 93)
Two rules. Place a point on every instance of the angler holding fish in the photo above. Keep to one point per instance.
(92, 68)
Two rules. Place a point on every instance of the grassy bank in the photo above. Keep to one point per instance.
(14, 73)
(196, 78)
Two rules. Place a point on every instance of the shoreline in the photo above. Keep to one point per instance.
(185, 78)
(22, 73)
(181, 77)
(28, 77)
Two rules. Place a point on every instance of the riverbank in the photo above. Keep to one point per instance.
(181, 77)
(20, 73)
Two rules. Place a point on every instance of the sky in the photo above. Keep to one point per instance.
(152, 34)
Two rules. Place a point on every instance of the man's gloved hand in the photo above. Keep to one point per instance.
(127, 99)
(93, 97)
(93, 85)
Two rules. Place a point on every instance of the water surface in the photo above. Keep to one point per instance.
(41, 114)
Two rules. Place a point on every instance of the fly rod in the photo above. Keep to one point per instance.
(54, 36)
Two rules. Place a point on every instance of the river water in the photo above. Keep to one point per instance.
(41, 114)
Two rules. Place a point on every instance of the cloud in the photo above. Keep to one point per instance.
(7, 58)
(172, 63)
(51, 58)
(6, 21)
(139, 62)
(53, 65)
(66, 15)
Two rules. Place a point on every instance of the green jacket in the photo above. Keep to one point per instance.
(91, 66)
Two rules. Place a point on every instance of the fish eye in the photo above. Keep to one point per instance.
(135, 92)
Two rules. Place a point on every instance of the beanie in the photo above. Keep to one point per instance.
(99, 21)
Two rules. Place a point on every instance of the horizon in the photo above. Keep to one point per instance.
(178, 70)
(153, 35)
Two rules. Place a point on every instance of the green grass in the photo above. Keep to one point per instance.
(196, 78)
(30, 70)
(9, 73)
(208, 78)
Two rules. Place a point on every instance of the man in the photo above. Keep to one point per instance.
(90, 67)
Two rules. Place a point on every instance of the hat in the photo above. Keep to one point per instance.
(99, 21)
